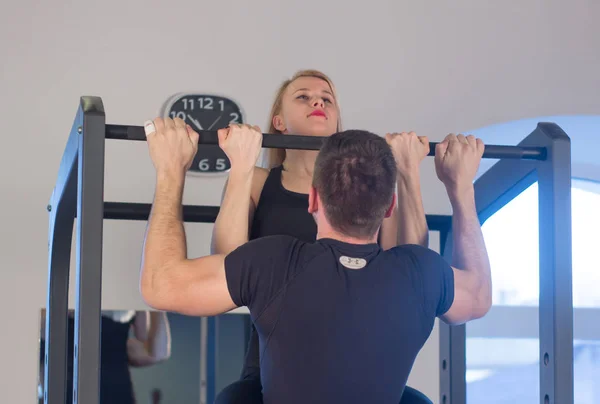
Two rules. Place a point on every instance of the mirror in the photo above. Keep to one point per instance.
(146, 357)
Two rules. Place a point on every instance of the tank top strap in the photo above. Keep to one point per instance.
(273, 182)
(274, 177)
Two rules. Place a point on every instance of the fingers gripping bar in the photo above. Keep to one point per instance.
(299, 142)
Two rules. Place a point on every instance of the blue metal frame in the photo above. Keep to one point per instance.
(498, 186)
(62, 207)
(80, 193)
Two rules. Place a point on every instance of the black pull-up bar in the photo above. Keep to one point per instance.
(299, 142)
(208, 214)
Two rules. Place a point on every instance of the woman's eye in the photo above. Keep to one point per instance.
(302, 97)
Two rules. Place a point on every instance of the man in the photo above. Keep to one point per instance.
(354, 315)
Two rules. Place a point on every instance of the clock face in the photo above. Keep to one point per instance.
(206, 113)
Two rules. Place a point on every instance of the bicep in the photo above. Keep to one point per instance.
(197, 287)
(464, 306)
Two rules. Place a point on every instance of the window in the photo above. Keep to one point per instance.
(503, 347)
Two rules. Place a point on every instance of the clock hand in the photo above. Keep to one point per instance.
(195, 122)
(213, 124)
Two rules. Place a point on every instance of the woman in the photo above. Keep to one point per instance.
(259, 202)
(150, 344)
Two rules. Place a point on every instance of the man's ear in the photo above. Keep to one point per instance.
(313, 200)
(392, 206)
(278, 123)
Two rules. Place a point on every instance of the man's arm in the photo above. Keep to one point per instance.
(473, 283)
(169, 281)
(457, 161)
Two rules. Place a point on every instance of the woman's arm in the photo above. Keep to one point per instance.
(241, 144)
(238, 204)
(151, 343)
(408, 223)
(412, 223)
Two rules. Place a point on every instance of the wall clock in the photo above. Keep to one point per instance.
(206, 112)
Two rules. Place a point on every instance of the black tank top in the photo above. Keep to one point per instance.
(282, 212)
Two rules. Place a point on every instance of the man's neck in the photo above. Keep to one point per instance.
(332, 234)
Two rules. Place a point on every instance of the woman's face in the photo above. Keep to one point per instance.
(307, 108)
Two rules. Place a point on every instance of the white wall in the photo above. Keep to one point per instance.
(399, 65)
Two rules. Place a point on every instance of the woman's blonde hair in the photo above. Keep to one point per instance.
(275, 157)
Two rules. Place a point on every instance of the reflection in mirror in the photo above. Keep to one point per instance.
(146, 357)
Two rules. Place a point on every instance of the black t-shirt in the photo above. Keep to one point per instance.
(338, 322)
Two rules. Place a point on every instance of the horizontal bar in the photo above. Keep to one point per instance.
(441, 223)
(141, 211)
(270, 141)
(300, 142)
(208, 214)
(523, 322)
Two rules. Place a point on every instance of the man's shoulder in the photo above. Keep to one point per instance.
(274, 244)
(413, 249)
(416, 253)
(280, 239)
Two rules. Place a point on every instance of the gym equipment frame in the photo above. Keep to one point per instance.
(79, 192)
(494, 189)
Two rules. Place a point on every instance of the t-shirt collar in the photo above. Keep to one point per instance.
(350, 247)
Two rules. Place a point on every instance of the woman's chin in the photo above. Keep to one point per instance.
(315, 130)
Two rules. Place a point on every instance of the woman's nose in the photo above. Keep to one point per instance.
(318, 102)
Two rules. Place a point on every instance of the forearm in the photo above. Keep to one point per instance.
(469, 252)
(231, 226)
(152, 346)
(412, 223)
(159, 337)
(165, 242)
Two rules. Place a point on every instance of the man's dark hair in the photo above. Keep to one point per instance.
(355, 176)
